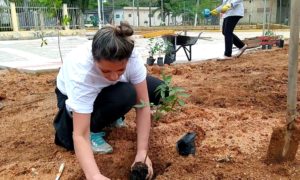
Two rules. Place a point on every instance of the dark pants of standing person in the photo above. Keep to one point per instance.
(111, 103)
(229, 24)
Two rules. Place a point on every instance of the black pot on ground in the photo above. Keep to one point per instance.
(150, 61)
(281, 43)
(160, 61)
(170, 58)
(264, 46)
(269, 46)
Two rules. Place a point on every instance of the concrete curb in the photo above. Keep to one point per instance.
(27, 35)
(36, 71)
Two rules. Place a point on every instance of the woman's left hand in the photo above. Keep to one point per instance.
(140, 157)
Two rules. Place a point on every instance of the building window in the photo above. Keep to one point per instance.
(129, 15)
(117, 15)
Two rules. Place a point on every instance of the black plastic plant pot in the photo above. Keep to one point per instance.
(139, 171)
(150, 61)
(160, 61)
(186, 145)
(281, 43)
(170, 58)
(269, 46)
(264, 46)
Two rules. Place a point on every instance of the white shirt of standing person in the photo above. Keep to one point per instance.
(82, 81)
(237, 8)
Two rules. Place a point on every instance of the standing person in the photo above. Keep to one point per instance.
(233, 11)
(97, 85)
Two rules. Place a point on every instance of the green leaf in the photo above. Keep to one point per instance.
(168, 79)
(181, 102)
(172, 92)
(162, 94)
(171, 98)
(184, 95)
(178, 89)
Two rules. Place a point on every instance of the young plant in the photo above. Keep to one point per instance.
(171, 97)
(54, 6)
(153, 47)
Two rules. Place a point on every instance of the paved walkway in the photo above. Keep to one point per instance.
(29, 56)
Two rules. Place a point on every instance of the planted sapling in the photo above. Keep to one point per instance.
(171, 96)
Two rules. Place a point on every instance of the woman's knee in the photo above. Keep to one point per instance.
(152, 84)
(128, 94)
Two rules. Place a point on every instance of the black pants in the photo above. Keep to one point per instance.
(111, 103)
(229, 24)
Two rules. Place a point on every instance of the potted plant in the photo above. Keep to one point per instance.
(162, 48)
(152, 51)
(280, 41)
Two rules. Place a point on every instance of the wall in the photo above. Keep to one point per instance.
(129, 14)
(254, 11)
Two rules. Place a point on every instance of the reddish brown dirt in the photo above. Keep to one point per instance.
(233, 107)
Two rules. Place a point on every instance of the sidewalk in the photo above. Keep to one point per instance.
(29, 56)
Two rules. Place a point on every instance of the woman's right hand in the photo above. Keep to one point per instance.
(99, 177)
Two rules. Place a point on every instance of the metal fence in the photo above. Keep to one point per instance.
(76, 16)
(5, 18)
(33, 16)
(257, 12)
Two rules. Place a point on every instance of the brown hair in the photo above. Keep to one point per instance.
(113, 43)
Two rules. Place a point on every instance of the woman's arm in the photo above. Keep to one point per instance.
(143, 121)
(220, 7)
(82, 146)
(142, 117)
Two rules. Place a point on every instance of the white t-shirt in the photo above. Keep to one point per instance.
(81, 80)
(237, 8)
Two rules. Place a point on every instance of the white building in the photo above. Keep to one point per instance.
(277, 11)
(130, 14)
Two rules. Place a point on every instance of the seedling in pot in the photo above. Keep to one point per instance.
(139, 170)
(153, 48)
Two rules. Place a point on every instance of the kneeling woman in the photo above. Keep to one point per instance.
(97, 85)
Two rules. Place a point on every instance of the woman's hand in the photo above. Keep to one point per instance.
(140, 157)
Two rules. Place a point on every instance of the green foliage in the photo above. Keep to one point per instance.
(153, 48)
(185, 8)
(50, 3)
(158, 45)
(66, 20)
(171, 98)
(269, 33)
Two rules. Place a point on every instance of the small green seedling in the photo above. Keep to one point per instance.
(171, 97)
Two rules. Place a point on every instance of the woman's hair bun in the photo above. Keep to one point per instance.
(124, 29)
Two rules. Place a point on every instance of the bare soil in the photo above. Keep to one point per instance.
(233, 107)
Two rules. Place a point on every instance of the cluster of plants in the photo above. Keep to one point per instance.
(158, 46)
